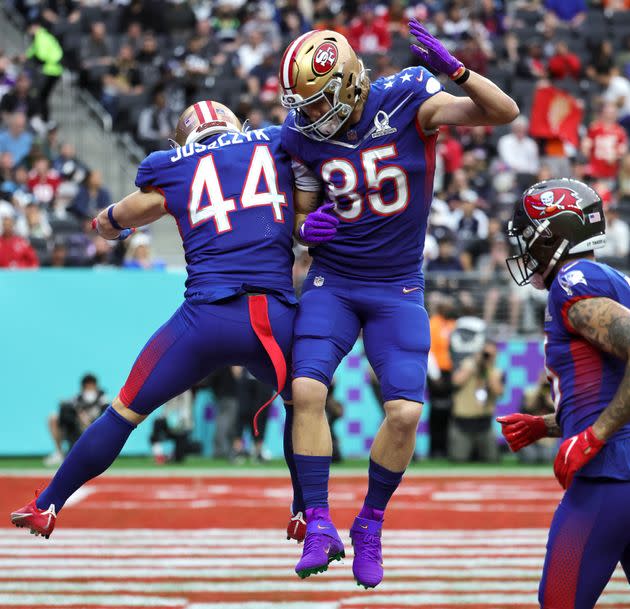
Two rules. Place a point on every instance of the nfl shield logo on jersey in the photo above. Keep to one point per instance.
(318, 282)
(381, 122)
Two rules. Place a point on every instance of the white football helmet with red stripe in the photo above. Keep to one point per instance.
(203, 119)
(321, 77)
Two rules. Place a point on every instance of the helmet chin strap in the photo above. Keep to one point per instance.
(560, 251)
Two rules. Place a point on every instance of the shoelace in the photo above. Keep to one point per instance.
(369, 547)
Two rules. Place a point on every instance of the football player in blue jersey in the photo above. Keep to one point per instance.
(558, 225)
(231, 194)
(368, 151)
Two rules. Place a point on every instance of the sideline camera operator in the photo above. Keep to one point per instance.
(478, 384)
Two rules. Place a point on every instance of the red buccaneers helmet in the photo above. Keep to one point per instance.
(553, 220)
(203, 119)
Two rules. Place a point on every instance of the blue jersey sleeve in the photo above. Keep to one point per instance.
(290, 138)
(577, 281)
(410, 88)
(147, 175)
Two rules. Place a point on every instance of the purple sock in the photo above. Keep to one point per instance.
(313, 474)
(92, 454)
(381, 486)
(298, 500)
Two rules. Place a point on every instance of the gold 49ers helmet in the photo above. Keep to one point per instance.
(203, 119)
(320, 71)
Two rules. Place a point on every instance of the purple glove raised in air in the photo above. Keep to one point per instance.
(320, 225)
(432, 52)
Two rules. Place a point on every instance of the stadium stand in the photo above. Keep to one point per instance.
(145, 61)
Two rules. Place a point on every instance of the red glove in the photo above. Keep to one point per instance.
(522, 430)
(574, 453)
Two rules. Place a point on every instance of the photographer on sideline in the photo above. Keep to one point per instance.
(478, 384)
(74, 416)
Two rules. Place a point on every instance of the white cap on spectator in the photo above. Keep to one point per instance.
(138, 240)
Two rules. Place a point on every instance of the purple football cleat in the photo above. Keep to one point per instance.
(367, 565)
(322, 544)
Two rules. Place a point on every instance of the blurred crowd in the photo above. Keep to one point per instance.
(566, 62)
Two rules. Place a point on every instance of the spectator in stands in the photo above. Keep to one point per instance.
(66, 193)
(69, 167)
(457, 23)
(156, 122)
(617, 237)
(263, 79)
(59, 255)
(34, 224)
(478, 385)
(251, 53)
(91, 197)
(74, 416)
(519, 151)
(122, 78)
(563, 63)
(293, 20)
(133, 35)
(604, 145)
(531, 63)
(440, 388)
(368, 33)
(472, 54)
(471, 226)
(451, 151)
(150, 61)
(15, 251)
(624, 180)
(260, 18)
(16, 139)
(23, 98)
(43, 182)
(7, 76)
(139, 254)
(97, 55)
(618, 93)
(7, 178)
(46, 51)
(602, 61)
(494, 278)
(447, 263)
(572, 12)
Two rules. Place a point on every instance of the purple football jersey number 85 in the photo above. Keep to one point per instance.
(206, 179)
(350, 202)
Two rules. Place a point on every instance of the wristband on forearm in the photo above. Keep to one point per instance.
(461, 75)
(112, 220)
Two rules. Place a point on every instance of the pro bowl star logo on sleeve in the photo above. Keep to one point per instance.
(553, 202)
(570, 279)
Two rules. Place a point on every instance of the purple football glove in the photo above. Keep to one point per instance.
(432, 51)
(320, 225)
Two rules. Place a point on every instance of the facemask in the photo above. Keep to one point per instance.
(89, 395)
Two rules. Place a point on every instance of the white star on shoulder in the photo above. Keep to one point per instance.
(389, 85)
(406, 77)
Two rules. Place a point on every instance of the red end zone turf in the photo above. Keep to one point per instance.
(219, 543)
